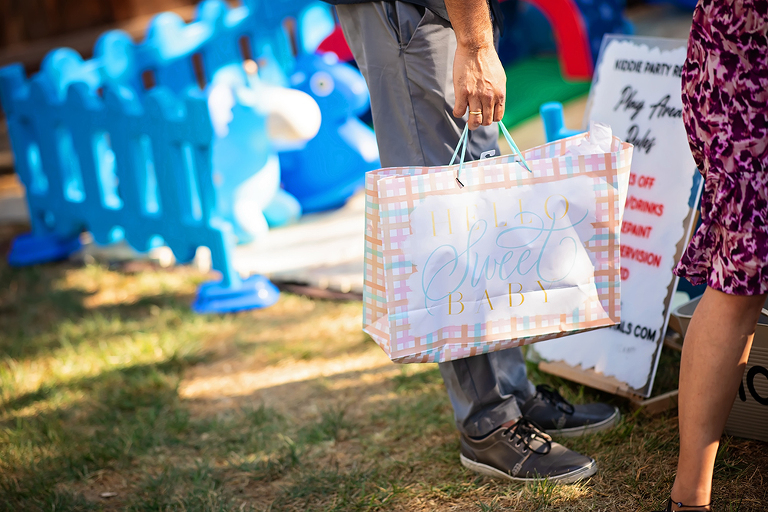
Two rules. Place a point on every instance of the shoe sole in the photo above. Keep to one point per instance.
(592, 428)
(567, 478)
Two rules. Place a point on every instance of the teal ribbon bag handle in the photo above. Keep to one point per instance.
(463, 146)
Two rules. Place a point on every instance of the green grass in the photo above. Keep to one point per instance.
(109, 384)
(532, 82)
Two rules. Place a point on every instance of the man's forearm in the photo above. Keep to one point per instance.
(471, 20)
(479, 81)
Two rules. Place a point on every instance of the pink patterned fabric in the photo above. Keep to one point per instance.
(725, 109)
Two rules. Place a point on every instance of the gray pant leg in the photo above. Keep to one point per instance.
(407, 61)
(406, 56)
(485, 390)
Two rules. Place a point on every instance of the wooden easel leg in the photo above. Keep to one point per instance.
(650, 406)
(675, 342)
(657, 404)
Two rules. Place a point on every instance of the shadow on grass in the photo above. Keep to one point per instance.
(126, 419)
(132, 419)
(374, 442)
(39, 315)
(130, 397)
(120, 413)
(389, 453)
(33, 306)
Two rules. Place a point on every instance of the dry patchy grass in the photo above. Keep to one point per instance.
(109, 384)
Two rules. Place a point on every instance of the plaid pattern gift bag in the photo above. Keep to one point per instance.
(472, 258)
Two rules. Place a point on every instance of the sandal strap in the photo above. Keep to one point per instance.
(680, 504)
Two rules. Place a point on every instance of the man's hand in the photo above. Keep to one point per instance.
(478, 77)
(480, 83)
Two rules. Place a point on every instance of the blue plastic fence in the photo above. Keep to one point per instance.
(155, 182)
(182, 56)
(98, 151)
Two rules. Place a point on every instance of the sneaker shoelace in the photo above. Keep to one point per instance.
(525, 431)
(549, 394)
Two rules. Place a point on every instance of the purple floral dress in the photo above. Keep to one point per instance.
(725, 109)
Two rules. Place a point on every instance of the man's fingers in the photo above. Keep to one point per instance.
(476, 113)
(484, 110)
(489, 105)
(460, 105)
(498, 112)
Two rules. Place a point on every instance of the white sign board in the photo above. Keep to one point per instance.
(636, 89)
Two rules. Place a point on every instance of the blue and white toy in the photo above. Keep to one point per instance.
(122, 166)
(170, 141)
(251, 120)
(331, 166)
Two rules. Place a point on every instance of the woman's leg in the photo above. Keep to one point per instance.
(715, 353)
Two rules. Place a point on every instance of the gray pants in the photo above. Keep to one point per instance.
(405, 53)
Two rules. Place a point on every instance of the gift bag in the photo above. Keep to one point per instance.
(476, 257)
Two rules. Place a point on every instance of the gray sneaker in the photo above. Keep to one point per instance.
(558, 417)
(524, 453)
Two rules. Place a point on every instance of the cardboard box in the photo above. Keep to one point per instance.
(749, 415)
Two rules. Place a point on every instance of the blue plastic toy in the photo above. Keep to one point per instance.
(245, 161)
(315, 23)
(186, 57)
(121, 167)
(554, 122)
(527, 31)
(132, 144)
(332, 166)
(221, 38)
(30, 249)
(254, 292)
(604, 17)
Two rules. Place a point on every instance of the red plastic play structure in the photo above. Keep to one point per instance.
(571, 37)
(567, 23)
(335, 43)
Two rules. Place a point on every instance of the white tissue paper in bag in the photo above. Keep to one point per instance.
(598, 140)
